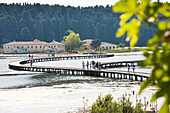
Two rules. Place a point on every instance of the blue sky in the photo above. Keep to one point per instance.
(75, 3)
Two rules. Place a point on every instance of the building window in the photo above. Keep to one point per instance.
(110, 47)
(113, 47)
(106, 47)
(35, 46)
(27, 46)
(22, 47)
(40, 46)
(31, 46)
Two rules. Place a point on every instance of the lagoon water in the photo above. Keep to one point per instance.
(25, 92)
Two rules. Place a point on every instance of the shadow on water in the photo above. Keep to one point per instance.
(46, 79)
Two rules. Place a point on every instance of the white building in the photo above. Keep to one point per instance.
(106, 45)
(35, 46)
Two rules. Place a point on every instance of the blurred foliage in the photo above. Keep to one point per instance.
(138, 13)
(107, 105)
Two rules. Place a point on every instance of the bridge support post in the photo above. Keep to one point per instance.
(141, 79)
(72, 72)
(136, 78)
(103, 74)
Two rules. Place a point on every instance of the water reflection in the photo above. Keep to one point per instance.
(46, 79)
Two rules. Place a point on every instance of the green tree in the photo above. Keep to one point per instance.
(72, 41)
(95, 43)
(138, 13)
(67, 32)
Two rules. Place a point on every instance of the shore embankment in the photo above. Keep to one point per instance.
(43, 55)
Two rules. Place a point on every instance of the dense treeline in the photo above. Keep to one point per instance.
(25, 22)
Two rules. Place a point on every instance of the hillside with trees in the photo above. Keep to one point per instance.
(25, 22)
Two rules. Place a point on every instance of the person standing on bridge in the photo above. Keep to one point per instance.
(87, 64)
(90, 65)
(99, 65)
(83, 64)
(31, 58)
(133, 68)
(128, 67)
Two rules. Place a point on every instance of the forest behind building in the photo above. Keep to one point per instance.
(26, 22)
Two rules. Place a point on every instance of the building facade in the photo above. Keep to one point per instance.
(106, 45)
(87, 44)
(35, 46)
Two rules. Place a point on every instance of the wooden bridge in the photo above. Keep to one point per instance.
(119, 64)
(19, 65)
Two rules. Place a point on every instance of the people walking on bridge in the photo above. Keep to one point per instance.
(93, 64)
(133, 68)
(90, 65)
(128, 68)
(87, 64)
(31, 58)
(97, 65)
(31, 63)
(83, 64)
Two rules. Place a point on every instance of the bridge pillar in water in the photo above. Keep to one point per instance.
(104, 74)
(120, 76)
(141, 79)
(107, 75)
(72, 72)
(136, 78)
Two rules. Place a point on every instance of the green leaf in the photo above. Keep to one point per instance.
(145, 53)
(165, 108)
(125, 17)
(162, 25)
(158, 73)
(120, 32)
(165, 9)
(133, 41)
(121, 7)
(165, 79)
(158, 94)
(125, 6)
(144, 84)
